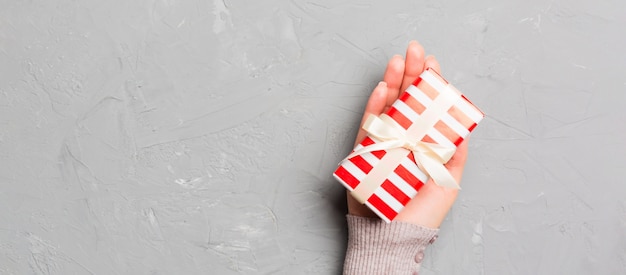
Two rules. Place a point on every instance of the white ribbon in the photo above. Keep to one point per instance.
(429, 157)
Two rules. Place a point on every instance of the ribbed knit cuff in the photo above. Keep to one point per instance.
(376, 247)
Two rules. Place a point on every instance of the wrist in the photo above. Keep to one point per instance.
(358, 209)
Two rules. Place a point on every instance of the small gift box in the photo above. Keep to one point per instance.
(408, 144)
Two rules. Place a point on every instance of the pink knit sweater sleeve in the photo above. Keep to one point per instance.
(376, 247)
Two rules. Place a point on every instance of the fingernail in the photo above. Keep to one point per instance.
(382, 84)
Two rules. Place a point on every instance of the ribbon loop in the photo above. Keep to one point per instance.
(429, 157)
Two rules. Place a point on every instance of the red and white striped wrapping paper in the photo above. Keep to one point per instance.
(405, 181)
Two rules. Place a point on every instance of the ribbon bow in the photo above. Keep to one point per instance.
(429, 157)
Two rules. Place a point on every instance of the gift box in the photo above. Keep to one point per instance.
(409, 144)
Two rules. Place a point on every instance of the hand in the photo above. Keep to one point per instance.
(432, 203)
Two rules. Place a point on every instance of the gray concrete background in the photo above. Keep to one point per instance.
(199, 137)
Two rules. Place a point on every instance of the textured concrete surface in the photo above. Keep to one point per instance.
(199, 137)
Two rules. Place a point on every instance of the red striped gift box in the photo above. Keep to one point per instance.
(403, 182)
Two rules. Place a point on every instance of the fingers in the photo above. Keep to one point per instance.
(401, 73)
(431, 62)
(393, 77)
(414, 64)
(375, 106)
(377, 100)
